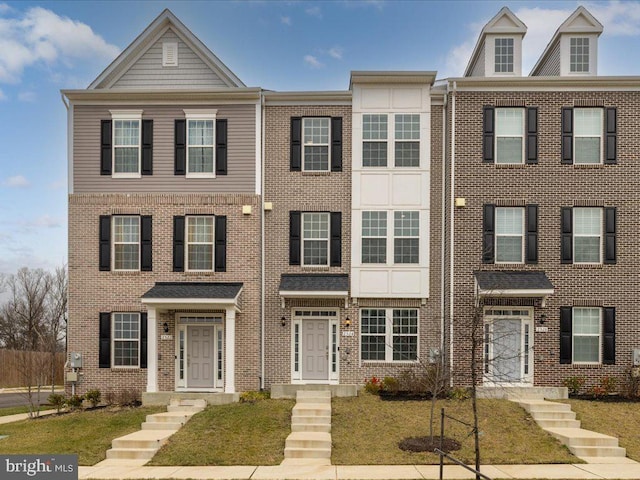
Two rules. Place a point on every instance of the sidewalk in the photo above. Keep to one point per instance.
(365, 472)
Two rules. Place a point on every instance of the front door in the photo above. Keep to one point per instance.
(315, 349)
(508, 347)
(200, 356)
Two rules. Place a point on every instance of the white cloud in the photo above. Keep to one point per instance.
(314, 12)
(17, 181)
(618, 18)
(58, 184)
(312, 61)
(4, 8)
(27, 96)
(45, 221)
(335, 52)
(459, 55)
(41, 36)
(2, 96)
(286, 20)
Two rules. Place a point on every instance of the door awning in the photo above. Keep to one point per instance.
(193, 295)
(532, 284)
(314, 285)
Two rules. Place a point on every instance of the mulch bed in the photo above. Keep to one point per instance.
(424, 444)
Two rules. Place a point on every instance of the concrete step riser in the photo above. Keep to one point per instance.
(553, 415)
(314, 400)
(587, 441)
(306, 453)
(161, 426)
(559, 423)
(553, 407)
(297, 418)
(188, 403)
(300, 394)
(310, 427)
(182, 419)
(311, 412)
(297, 444)
(130, 454)
(598, 451)
(138, 444)
(181, 409)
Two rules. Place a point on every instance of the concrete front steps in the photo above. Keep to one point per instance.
(139, 447)
(560, 421)
(310, 440)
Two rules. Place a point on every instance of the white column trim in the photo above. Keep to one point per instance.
(152, 351)
(230, 353)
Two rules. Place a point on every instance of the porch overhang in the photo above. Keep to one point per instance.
(314, 285)
(509, 284)
(193, 296)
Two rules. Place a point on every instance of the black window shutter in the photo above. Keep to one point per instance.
(221, 147)
(336, 239)
(532, 234)
(565, 334)
(178, 244)
(294, 237)
(611, 137)
(567, 136)
(296, 144)
(105, 243)
(146, 236)
(106, 154)
(180, 160)
(104, 354)
(488, 233)
(488, 131)
(147, 147)
(336, 144)
(566, 241)
(221, 244)
(609, 336)
(143, 340)
(532, 135)
(610, 235)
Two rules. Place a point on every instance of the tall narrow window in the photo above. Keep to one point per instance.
(407, 144)
(316, 144)
(126, 339)
(373, 334)
(126, 242)
(587, 235)
(579, 55)
(126, 146)
(406, 237)
(587, 135)
(374, 136)
(509, 246)
(509, 135)
(587, 323)
(200, 143)
(405, 334)
(504, 55)
(200, 243)
(374, 237)
(315, 238)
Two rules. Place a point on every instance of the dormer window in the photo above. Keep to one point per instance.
(504, 55)
(579, 55)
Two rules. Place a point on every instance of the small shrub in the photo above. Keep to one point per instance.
(630, 387)
(609, 385)
(597, 391)
(254, 397)
(93, 397)
(390, 385)
(74, 402)
(574, 384)
(412, 383)
(110, 397)
(459, 393)
(372, 386)
(129, 397)
(57, 400)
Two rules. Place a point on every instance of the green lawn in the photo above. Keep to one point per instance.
(13, 410)
(87, 433)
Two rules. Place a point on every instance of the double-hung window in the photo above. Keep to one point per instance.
(315, 143)
(509, 135)
(509, 247)
(126, 242)
(200, 243)
(126, 143)
(374, 140)
(126, 340)
(407, 140)
(587, 235)
(503, 55)
(200, 146)
(374, 237)
(389, 334)
(315, 239)
(587, 324)
(406, 242)
(587, 135)
(579, 55)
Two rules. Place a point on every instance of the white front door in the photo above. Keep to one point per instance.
(200, 356)
(315, 350)
(508, 347)
(199, 353)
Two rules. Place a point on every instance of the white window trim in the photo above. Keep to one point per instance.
(392, 131)
(200, 115)
(114, 340)
(388, 334)
(386, 237)
(588, 72)
(296, 323)
(328, 145)
(393, 261)
(328, 240)
(391, 237)
(125, 115)
(574, 235)
(599, 335)
(113, 243)
(522, 237)
(600, 136)
(513, 56)
(391, 142)
(213, 243)
(522, 136)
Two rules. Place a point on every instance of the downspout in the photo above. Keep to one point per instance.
(262, 244)
(452, 218)
(443, 233)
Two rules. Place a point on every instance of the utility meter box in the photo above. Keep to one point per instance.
(75, 360)
(636, 357)
(72, 376)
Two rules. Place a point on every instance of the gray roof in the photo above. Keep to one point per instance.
(509, 280)
(194, 290)
(314, 282)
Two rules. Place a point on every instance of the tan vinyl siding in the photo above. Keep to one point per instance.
(148, 72)
(241, 154)
(551, 68)
(478, 67)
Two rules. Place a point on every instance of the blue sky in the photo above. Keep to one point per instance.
(292, 45)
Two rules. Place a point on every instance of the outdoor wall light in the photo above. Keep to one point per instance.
(543, 319)
(283, 321)
(165, 327)
(347, 322)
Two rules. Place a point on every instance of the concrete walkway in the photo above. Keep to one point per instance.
(23, 416)
(364, 472)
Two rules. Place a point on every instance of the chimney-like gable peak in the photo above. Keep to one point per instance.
(498, 52)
